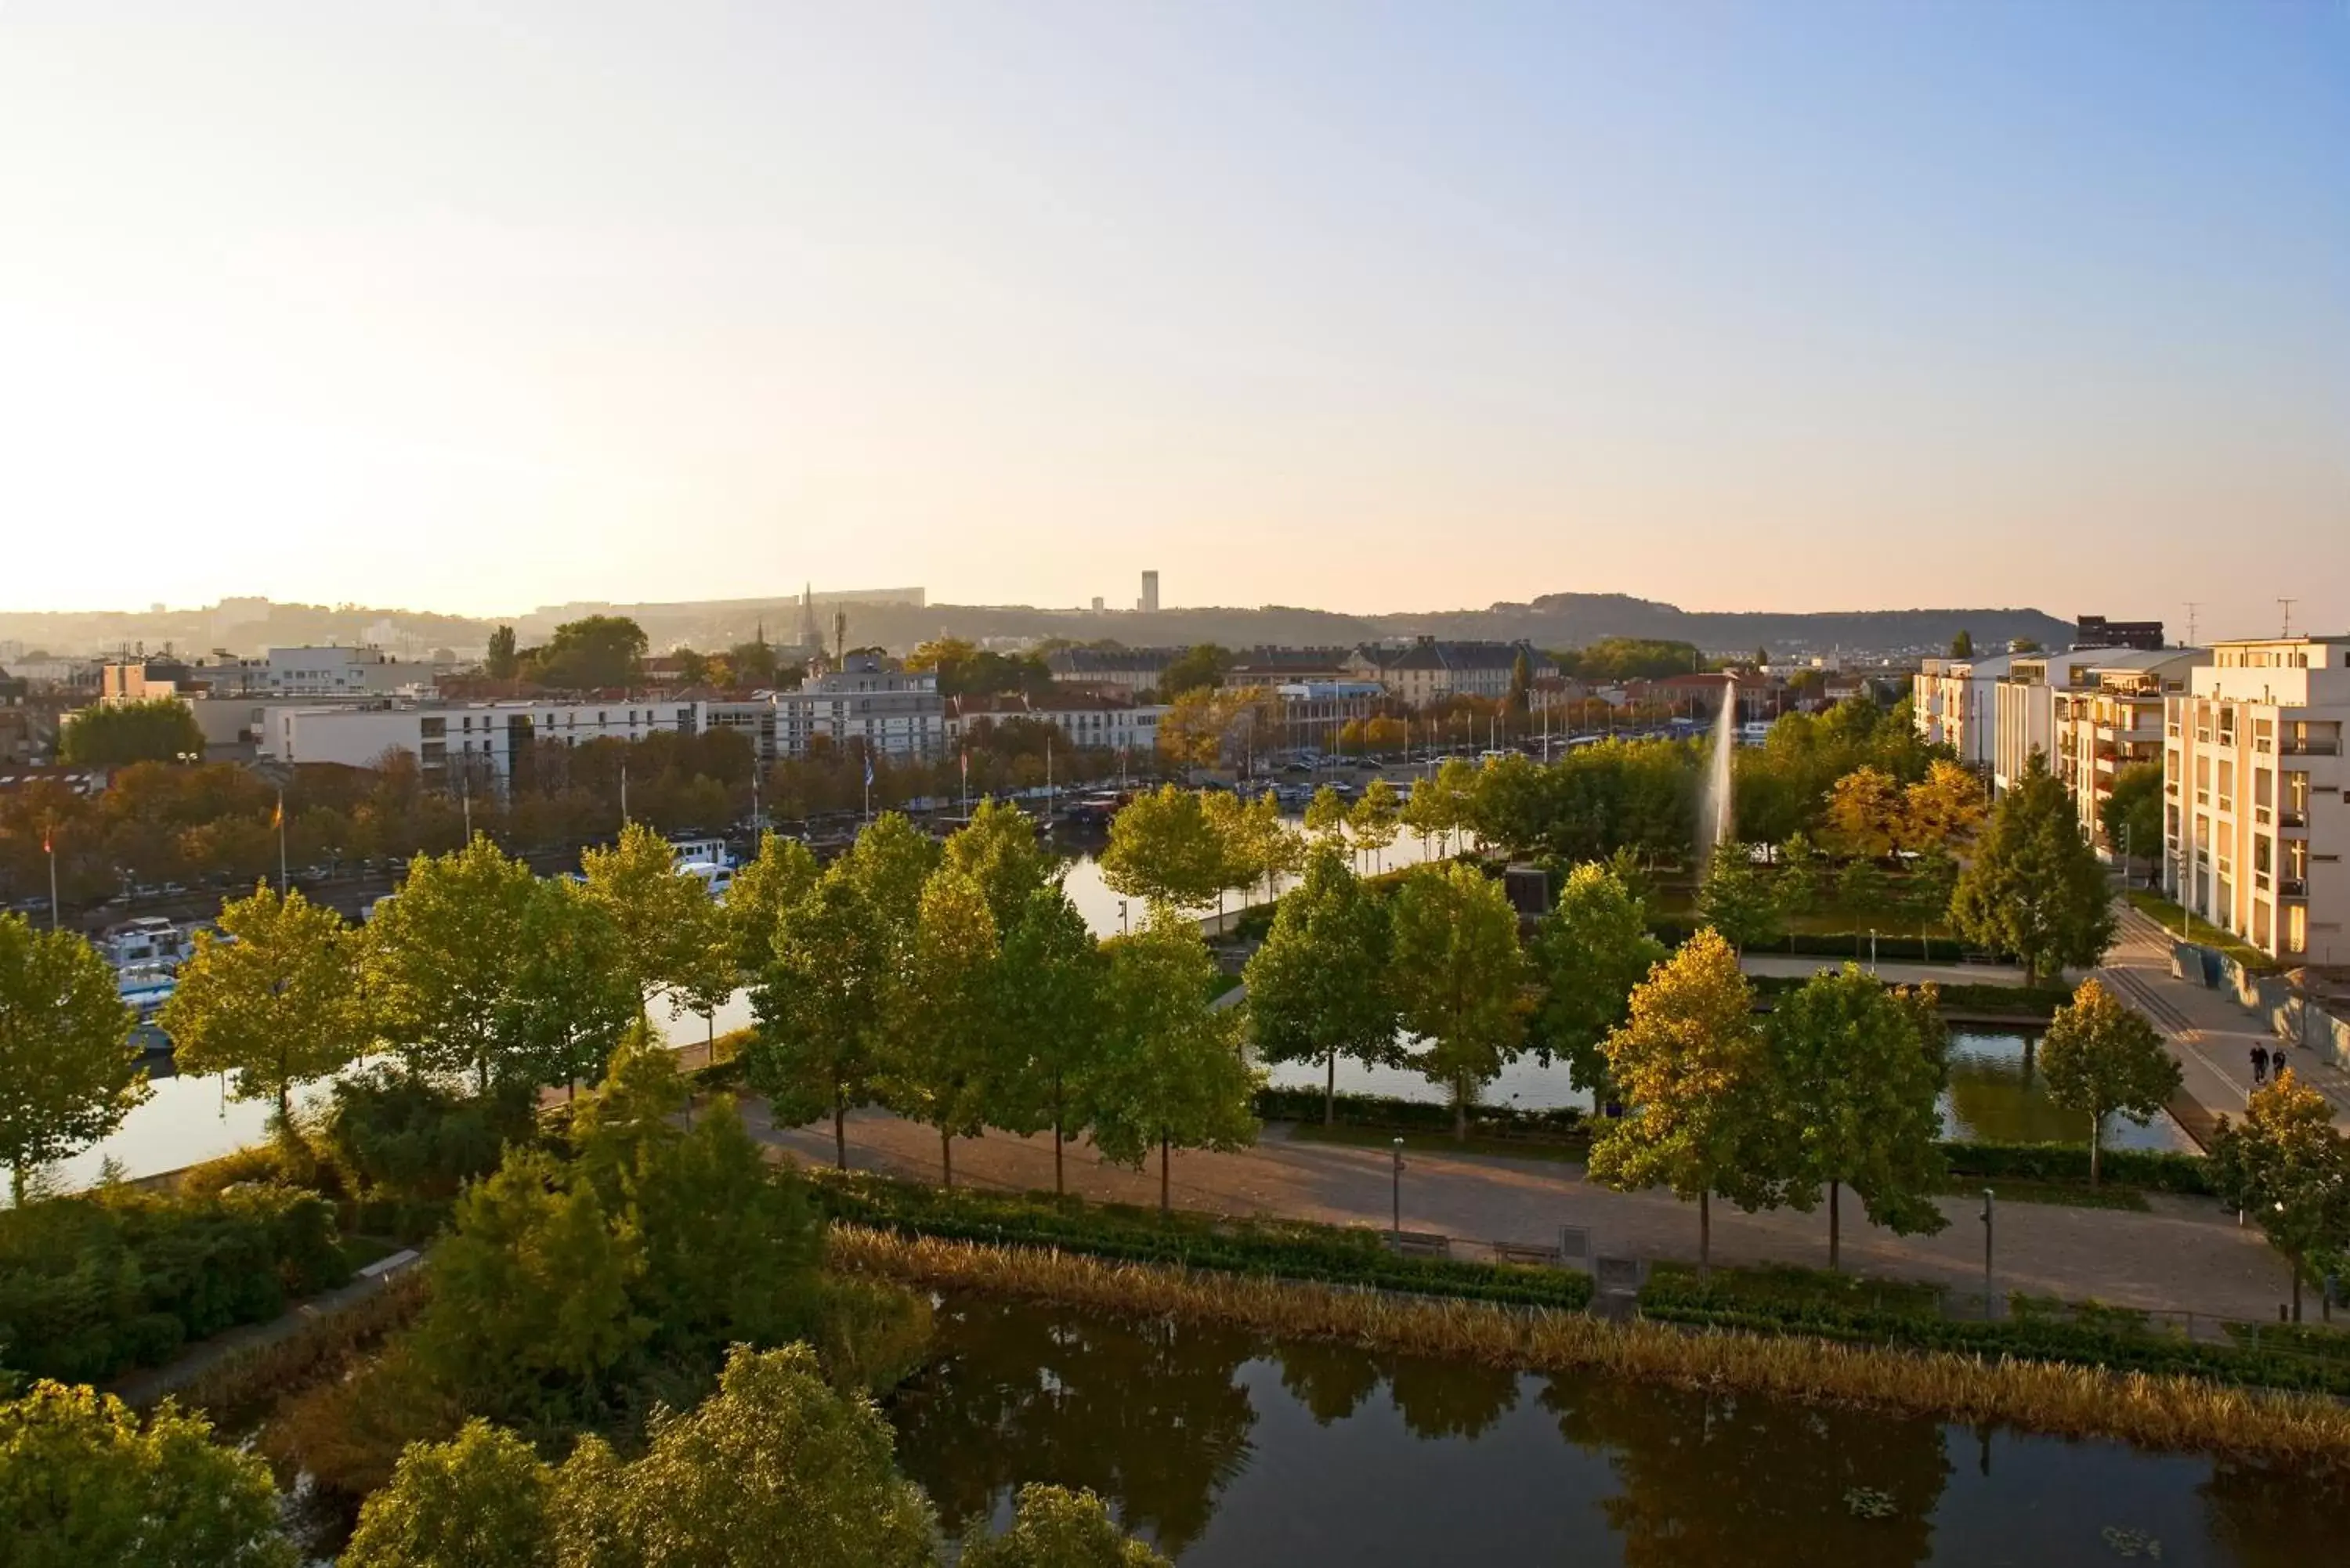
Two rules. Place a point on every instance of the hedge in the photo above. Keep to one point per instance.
(95, 1284)
(2026, 1004)
(2157, 1171)
(1773, 1302)
(1564, 1124)
(1295, 1250)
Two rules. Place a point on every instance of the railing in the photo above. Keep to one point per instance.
(2292, 886)
(2312, 748)
(2291, 818)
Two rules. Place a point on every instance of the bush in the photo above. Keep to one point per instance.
(2033, 1003)
(406, 1146)
(1827, 1306)
(1566, 1124)
(93, 1286)
(1293, 1250)
(2154, 1170)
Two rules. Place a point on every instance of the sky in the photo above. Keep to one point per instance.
(1797, 305)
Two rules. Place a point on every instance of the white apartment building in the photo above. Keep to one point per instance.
(872, 699)
(486, 738)
(1957, 704)
(2256, 824)
(2024, 701)
(318, 672)
(2110, 718)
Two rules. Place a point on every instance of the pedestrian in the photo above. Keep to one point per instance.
(2276, 1061)
(2260, 1066)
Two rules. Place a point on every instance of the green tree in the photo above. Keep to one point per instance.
(1521, 681)
(269, 998)
(1375, 819)
(67, 1073)
(1317, 989)
(2034, 888)
(1162, 847)
(669, 930)
(1326, 815)
(1589, 953)
(479, 1501)
(1443, 804)
(2287, 1168)
(598, 650)
(1963, 645)
(530, 1314)
(1198, 667)
(1050, 974)
(1171, 1074)
(775, 1468)
(2131, 816)
(1862, 894)
(998, 849)
(819, 1005)
(83, 1483)
(1741, 899)
(1698, 1077)
(936, 1057)
(1458, 975)
(777, 878)
(574, 989)
(1054, 1528)
(1861, 1071)
(502, 662)
(440, 958)
(113, 734)
(2101, 1058)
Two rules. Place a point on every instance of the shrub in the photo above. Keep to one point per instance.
(1566, 1124)
(2155, 1170)
(1286, 1249)
(93, 1286)
(407, 1145)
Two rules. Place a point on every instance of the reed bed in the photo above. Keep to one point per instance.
(2153, 1412)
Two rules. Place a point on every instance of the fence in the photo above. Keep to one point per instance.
(2290, 1015)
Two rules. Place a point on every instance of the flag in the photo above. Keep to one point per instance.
(48, 846)
(278, 815)
(868, 770)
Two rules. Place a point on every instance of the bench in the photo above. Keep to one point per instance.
(1420, 1243)
(1520, 1252)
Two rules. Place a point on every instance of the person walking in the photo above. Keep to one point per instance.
(2276, 1062)
(2260, 1066)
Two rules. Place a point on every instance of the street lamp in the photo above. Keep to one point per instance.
(1397, 1231)
(1987, 1234)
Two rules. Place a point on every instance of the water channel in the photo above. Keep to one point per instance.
(1226, 1448)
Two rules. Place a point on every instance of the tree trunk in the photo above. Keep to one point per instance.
(1163, 1205)
(946, 1157)
(1835, 1225)
(1058, 1188)
(2294, 1264)
(16, 1184)
(2096, 1144)
(1461, 1110)
(1704, 1234)
(1330, 1092)
(839, 1131)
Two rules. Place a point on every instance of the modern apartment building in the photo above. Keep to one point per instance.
(1956, 703)
(2110, 717)
(2256, 824)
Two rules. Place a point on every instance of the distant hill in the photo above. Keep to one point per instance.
(1554, 620)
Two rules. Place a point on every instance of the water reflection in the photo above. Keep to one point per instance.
(1225, 1448)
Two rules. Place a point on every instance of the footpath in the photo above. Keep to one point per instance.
(2185, 1255)
(2211, 1036)
(151, 1385)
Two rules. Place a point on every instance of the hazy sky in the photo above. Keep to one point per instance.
(1791, 305)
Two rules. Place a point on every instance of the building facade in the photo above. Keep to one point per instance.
(871, 700)
(1089, 724)
(2254, 820)
(1428, 670)
(1955, 705)
(2111, 718)
(1126, 668)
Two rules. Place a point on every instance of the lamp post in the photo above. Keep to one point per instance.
(1397, 1233)
(1987, 1235)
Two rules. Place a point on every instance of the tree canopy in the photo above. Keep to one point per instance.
(2101, 1058)
(111, 734)
(1318, 988)
(2034, 888)
(67, 1073)
(598, 650)
(268, 998)
(1459, 974)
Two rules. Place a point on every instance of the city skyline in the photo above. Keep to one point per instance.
(1726, 306)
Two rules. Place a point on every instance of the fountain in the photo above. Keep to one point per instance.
(1715, 823)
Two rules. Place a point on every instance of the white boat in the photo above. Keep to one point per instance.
(148, 941)
(145, 987)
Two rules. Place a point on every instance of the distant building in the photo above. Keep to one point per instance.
(870, 699)
(1149, 600)
(1128, 669)
(1955, 704)
(1254, 667)
(2253, 775)
(2096, 631)
(1089, 722)
(1428, 670)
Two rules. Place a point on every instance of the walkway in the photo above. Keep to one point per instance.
(150, 1387)
(2187, 1255)
(2211, 1036)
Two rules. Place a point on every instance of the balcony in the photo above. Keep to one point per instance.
(2293, 887)
(2312, 748)
(2296, 820)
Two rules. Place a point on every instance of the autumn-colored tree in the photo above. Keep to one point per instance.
(1705, 1101)
(1865, 815)
(1944, 810)
(2287, 1168)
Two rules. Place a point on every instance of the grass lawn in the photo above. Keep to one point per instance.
(2167, 915)
(1441, 1143)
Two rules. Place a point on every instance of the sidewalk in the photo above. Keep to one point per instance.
(1897, 971)
(2188, 1254)
(2211, 1036)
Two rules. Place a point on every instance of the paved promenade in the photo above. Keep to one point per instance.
(2187, 1255)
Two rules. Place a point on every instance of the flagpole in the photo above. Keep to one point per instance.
(49, 843)
(281, 843)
